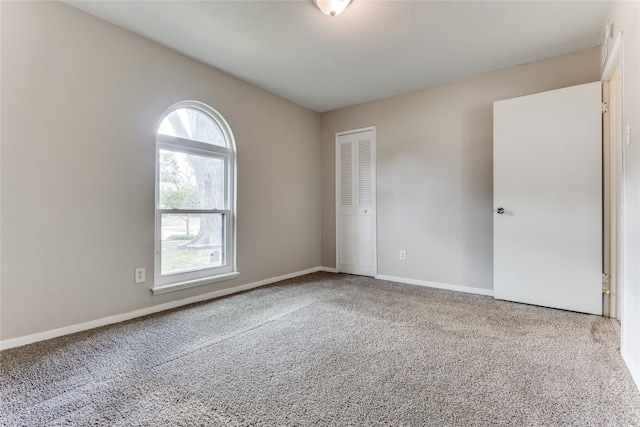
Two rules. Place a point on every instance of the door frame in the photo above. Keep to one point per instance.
(613, 182)
(337, 196)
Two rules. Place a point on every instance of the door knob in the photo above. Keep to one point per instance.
(500, 211)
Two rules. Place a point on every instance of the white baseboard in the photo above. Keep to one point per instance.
(329, 269)
(447, 286)
(66, 330)
(631, 365)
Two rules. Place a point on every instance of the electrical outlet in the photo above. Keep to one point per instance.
(140, 275)
(403, 255)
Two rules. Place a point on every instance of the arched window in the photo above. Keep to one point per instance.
(195, 198)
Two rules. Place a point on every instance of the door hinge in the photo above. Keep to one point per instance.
(605, 284)
(605, 107)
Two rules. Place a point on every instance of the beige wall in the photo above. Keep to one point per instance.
(625, 17)
(434, 165)
(81, 100)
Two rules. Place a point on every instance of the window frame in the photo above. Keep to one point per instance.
(174, 281)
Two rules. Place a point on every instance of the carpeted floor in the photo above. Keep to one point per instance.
(328, 350)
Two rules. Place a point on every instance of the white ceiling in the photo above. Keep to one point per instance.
(373, 50)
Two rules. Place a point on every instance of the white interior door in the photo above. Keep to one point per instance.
(356, 203)
(547, 193)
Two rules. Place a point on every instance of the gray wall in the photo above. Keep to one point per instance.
(434, 165)
(81, 101)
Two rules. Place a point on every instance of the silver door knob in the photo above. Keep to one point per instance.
(500, 211)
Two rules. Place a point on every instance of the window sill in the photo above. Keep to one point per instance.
(158, 290)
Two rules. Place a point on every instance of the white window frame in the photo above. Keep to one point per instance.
(197, 277)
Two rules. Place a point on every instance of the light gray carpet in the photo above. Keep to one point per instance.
(328, 350)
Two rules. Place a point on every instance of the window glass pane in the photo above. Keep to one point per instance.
(192, 242)
(191, 181)
(189, 123)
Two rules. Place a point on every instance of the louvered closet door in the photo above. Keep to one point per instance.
(356, 203)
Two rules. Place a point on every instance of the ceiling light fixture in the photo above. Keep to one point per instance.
(332, 7)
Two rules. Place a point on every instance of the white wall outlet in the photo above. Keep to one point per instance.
(403, 255)
(140, 275)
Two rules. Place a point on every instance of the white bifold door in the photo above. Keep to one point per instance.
(548, 199)
(356, 202)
